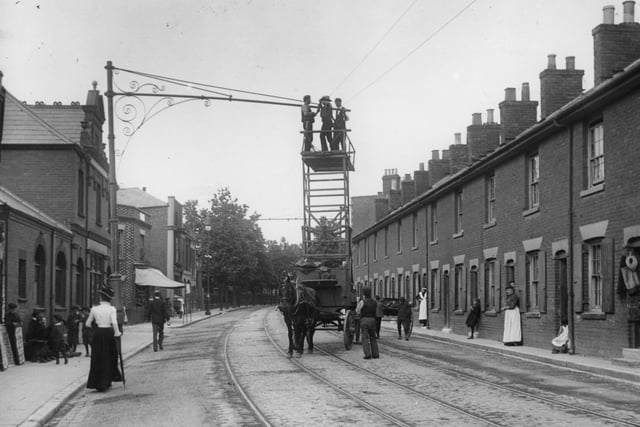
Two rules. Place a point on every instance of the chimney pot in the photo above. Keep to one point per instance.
(628, 11)
(510, 94)
(571, 62)
(435, 154)
(421, 166)
(525, 92)
(457, 137)
(476, 119)
(608, 13)
(407, 177)
(551, 62)
(490, 115)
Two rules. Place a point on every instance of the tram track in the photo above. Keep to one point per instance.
(385, 389)
(400, 351)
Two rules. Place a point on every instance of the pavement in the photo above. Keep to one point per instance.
(32, 393)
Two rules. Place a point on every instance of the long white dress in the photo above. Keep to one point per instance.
(422, 314)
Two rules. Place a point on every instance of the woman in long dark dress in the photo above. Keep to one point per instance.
(104, 353)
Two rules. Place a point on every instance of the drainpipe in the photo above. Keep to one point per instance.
(570, 314)
(53, 275)
(570, 284)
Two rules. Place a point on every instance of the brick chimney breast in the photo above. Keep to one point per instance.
(558, 87)
(615, 46)
(516, 116)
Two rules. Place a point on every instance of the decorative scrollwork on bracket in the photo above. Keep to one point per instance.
(131, 109)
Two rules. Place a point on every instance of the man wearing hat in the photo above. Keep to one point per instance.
(73, 325)
(104, 352)
(12, 321)
(158, 314)
(339, 127)
(326, 114)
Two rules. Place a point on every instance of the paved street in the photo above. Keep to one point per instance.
(211, 369)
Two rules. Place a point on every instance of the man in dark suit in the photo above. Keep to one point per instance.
(157, 313)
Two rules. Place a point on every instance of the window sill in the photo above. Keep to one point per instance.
(531, 211)
(533, 315)
(458, 312)
(491, 313)
(489, 225)
(458, 235)
(435, 310)
(594, 315)
(593, 190)
(415, 248)
(399, 253)
(433, 242)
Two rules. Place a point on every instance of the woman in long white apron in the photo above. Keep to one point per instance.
(512, 327)
(422, 314)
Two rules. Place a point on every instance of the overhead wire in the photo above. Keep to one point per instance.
(414, 50)
(374, 46)
(201, 86)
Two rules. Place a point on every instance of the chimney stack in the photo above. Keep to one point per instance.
(421, 179)
(482, 138)
(516, 116)
(559, 87)
(458, 154)
(408, 190)
(438, 167)
(615, 46)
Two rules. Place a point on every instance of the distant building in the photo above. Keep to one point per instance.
(549, 204)
(156, 238)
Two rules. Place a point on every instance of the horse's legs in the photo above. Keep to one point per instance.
(287, 321)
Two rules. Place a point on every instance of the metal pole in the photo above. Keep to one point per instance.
(208, 301)
(113, 185)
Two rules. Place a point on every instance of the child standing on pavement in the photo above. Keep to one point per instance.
(58, 339)
(473, 317)
(86, 331)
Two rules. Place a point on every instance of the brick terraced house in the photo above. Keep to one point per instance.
(550, 203)
(53, 169)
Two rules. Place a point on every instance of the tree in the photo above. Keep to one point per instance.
(230, 244)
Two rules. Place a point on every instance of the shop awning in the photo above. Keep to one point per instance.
(154, 277)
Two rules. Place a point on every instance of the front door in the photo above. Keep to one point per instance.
(445, 300)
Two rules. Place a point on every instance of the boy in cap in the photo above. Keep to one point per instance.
(339, 126)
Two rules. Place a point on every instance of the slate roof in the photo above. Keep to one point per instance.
(138, 198)
(25, 124)
(16, 203)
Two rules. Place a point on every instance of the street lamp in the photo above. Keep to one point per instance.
(208, 257)
(208, 300)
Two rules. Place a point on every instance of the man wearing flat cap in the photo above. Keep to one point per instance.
(158, 314)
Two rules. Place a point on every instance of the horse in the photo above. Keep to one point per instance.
(298, 306)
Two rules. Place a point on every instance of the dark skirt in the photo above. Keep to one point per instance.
(104, 360)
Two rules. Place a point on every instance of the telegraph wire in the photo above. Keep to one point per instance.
(425, 41)
(375, 46)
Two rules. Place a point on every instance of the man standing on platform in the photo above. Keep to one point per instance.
(326, 113)
(339, 127)
(158, 314)
(308, 117)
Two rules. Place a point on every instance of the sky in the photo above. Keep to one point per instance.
(412, 72)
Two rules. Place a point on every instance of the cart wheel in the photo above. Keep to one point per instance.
(410, 328)
(348, 330)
